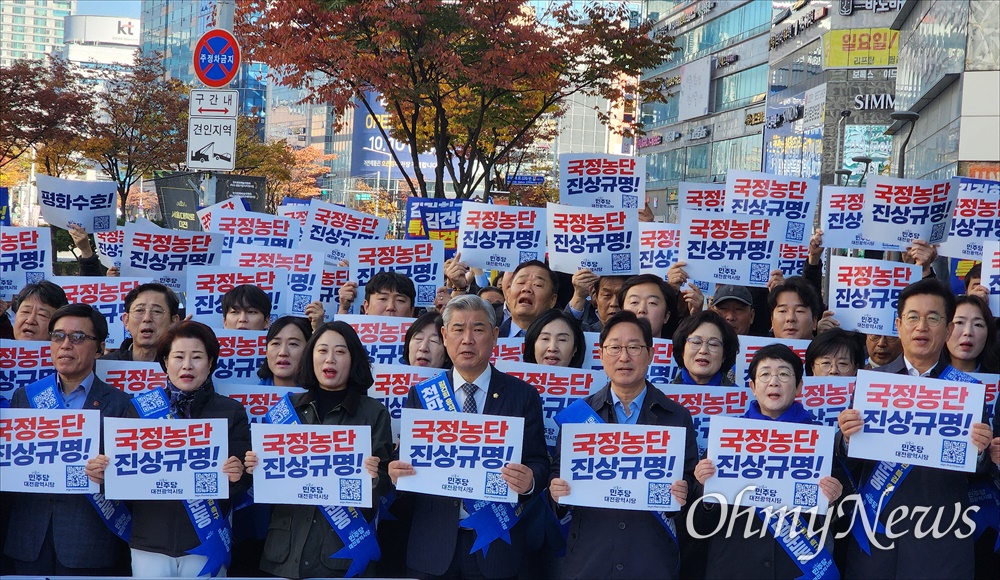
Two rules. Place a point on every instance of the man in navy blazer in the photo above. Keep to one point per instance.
(64, 535)
(438, 546)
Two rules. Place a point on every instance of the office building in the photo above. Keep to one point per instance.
(32, 29)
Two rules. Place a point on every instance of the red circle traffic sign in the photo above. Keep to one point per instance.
(216, 58)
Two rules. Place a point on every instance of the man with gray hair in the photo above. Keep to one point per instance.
(438, 545)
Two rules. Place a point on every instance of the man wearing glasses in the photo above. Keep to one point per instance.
(64, 535)
(150, 309)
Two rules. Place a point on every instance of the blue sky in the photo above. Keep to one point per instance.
(124, 8)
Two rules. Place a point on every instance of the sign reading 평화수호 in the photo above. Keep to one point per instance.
(109, 247)
(826, 397)
(768, 463)
(254, 229)
(329, 291)
(628, 467)
(332, 230)
(603, 181)
(500, 237)
(557, 386)
(23, 362)
(706, 401)
(459, 455)
(256, 399)
(864, 293)
(241, 353)
(841, 215)
(441, 223)
(25, 258)
(231, 204)
(604, 240)
(733, 249)
(206, 285)
(304, 267)
(700, 197)
(392, 385)
(763, 194)
(384, 337)
(131, 377)
(92, 205)
(419, 260)
(165, 255)
(166, 459)
(45, 451)
(312, 464)
(106, 295)
(749, 345)
(898, 211)
(991, 274)
(976, 219)
(508, 349)
(917, 420)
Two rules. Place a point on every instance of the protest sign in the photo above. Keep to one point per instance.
(604, 240)
(23, 362)
(332, 230)
(604, 181)
(592, 359)
(441, 223)
(254, 229)
(109, 247)
(256, 399)
(422, 261)
(659, 246)
(415, 216)
(178, 194)
(704, 401)
(206, 286)
(898, 211)
(231, 204)
(329, 291)
(304, 267)
(664, 368)
(749, 345)
(312, 464)
(700, 197)
(976, 219)
(768, 463)
(166, 459)
(917, 420)
(241, 353)
(45, 451)
(131, 377)
(106, 295)
(763, 194)
(991, 274)
(508, 349)
(500, 237)
(459, 455)
(392, 385)
(864, 293)
(298, 213)
(992, 383)
(734, 249)
(826, 397)
(165, 255)
(557, 386)
(841, 215)
(25, 258)
(629, 467)
(92, 205)
(383, 336)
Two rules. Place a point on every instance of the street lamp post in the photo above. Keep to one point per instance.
(910, 117)
(867, 161)
(845, 173)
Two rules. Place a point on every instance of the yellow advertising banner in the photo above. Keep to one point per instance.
(860, 48)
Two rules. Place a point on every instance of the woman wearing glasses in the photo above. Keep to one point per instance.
(835, 353)
(705, 348)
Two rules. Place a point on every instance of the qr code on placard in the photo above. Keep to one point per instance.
(206, 483)
(659, 495)
(795, 231)
(76, 478)
(630, 202)
(760, 272)
(350, 490)
(953, 452)
(806, 494)
(300, 301)
(495, 485)
(34, 277)
(527, 257)
(621, 262)
(102, 222)
(426, 293)
(937, 233)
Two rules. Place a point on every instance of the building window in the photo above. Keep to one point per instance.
(740, 89)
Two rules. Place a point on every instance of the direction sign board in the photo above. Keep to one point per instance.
(213, 103)
(211, 144)
(525, 179)
(216, 58)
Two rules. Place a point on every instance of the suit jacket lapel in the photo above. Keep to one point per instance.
(98, 397)
(494, 396)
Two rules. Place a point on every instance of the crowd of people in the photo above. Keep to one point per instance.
(63, 535)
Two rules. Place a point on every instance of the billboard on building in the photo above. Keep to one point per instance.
(370, 151)
(861, 47)
(101, 30)
(696, 78)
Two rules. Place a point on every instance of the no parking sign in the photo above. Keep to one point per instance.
(217, 58)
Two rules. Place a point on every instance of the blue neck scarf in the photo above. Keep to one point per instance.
(715, 381)
(794, 414)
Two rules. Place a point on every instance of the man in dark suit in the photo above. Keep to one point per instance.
(438, 547)
(533, 289)
(63, 534)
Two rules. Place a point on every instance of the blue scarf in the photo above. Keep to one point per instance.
(715, 381)
(180, 401)
(794, 414)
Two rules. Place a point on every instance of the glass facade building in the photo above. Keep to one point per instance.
(32, 28)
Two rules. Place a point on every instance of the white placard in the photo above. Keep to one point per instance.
(46, 450)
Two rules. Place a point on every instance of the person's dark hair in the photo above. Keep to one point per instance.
(172, 303)
(603, 279)
(831, 342)
(97, 319)
(931, 287)
(300, 322)
(730, 341)
(360, 375)
(46, 291)
(246, 296)
(553, 277)
(424, 320)
(390, 282)
(486, 289)
(535, 328)
(669, 295)
(780, 352)
(975, 271)
(802, 287)
(189, 329)
(989, 359)
(627, 316)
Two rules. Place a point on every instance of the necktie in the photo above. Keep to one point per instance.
(469, 406)
(520, 334)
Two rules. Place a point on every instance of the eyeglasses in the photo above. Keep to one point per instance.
(156, 313)
(714, 344)
(842, 366)
(880, 338)
(911, 319)
(782, 376)
(59, 336)
(615, 351)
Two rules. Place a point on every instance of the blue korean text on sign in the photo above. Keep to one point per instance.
(216, 58)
